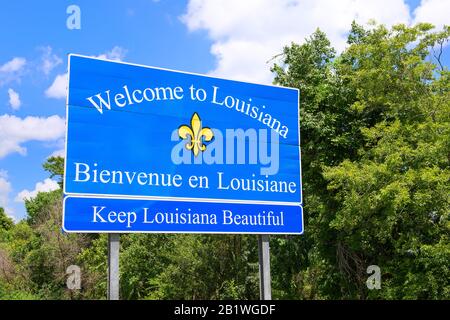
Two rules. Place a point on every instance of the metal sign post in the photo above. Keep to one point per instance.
(265, 289)
(113, 266)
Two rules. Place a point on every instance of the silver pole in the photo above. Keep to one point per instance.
(265, 289)
(113, 266)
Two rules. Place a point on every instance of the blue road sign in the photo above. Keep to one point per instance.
(155, 150)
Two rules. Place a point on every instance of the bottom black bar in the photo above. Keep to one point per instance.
(152, 309)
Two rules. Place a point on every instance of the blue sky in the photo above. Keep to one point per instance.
(232, 39)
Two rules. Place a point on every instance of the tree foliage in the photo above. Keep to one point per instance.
(375, 156)
(6, 222)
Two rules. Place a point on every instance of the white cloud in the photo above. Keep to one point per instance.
(117, 53)
(49, 60)
(12, 71)
(58, 153)
(433, 11)
(5, 188)
(44, 186)
(58, 88)
(15, 131)
(14, 65)
(14, 99)
(246, 34)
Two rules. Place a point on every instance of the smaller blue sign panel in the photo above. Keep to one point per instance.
(137, 215)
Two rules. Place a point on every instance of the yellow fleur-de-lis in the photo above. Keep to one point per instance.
(196, 133)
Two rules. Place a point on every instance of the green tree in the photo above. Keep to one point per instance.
(6, 222)
(55, 165)
(393, 199)
(35, 253)
(329, 134)
(209, 267)
(375, 158)
(41, 204)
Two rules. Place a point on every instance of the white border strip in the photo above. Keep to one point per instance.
(175, 198)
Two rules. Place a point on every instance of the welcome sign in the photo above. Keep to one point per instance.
(154, 150)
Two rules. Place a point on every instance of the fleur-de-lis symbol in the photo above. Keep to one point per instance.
(196, 133)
